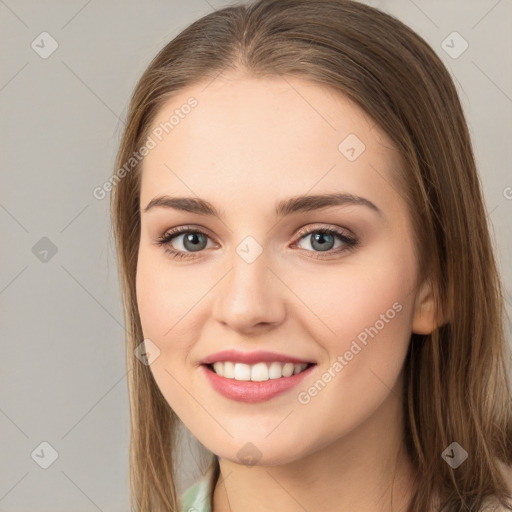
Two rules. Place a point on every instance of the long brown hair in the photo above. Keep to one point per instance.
(456, 385)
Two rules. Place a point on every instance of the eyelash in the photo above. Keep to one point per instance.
(166, 239)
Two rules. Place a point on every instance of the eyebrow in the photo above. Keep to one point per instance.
(291, 205)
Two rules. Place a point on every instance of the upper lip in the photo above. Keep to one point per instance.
(251, 357)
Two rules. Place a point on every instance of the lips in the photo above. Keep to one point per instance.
(250, 391)
(254, 376)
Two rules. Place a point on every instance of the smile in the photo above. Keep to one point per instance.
(239, 382)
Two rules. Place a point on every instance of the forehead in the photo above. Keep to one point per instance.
(247, 137)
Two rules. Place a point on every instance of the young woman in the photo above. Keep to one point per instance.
(307, 272)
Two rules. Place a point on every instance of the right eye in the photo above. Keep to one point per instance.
(194, 240)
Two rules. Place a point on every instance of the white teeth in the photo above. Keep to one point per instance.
(288, 369)
(258, 372)
(242, 371)
(229, 369)
(274, 371)
(219, 369)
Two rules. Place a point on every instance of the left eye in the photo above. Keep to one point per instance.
(324, 239)
(321, 240)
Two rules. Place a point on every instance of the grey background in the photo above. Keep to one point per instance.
(63, 378)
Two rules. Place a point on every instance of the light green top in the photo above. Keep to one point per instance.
(198, 497)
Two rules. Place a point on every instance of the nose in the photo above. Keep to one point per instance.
(250, 298)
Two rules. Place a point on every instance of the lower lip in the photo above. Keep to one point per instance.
(251, 392)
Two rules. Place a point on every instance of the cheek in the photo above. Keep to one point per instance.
(366, 310)
(152, 301)
(164, 296)
(166, 305)
(362, 317)
(346, 299)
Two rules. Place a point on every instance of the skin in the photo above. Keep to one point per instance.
(340, 450)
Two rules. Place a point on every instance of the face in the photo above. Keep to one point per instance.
(264, 279)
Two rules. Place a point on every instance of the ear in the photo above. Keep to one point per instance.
(426, 319)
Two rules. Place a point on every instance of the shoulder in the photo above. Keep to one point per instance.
(197, 497)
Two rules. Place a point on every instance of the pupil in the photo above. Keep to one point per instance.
(321, 238)
(194, 239)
